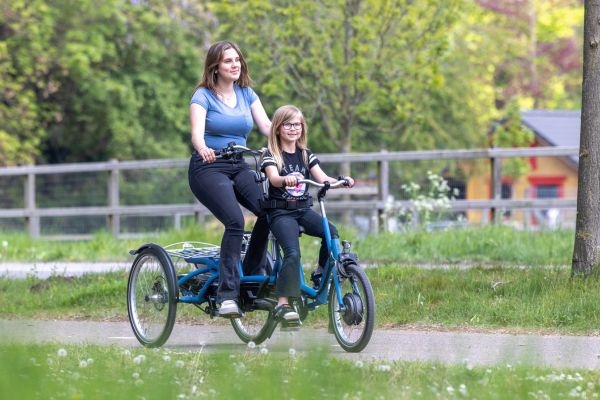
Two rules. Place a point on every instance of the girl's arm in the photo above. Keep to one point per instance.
(260, 117)
(279, 181)
(321, 176)
(198, 123)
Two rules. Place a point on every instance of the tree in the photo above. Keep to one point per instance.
(86, 81)
(362, 71)
(587, 229)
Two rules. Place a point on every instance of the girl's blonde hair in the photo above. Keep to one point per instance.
(282, 115)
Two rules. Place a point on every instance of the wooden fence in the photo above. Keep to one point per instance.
(378, 205)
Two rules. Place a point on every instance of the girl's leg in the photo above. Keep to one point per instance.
(313, 226)
(286, 229)
(213, 188)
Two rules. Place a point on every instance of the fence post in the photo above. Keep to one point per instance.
(114, 218)
(496, 188)
(383, 175)
(33, 220)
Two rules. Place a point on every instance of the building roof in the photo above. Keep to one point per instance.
(555, 128)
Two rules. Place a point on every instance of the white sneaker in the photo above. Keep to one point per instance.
(229, 309)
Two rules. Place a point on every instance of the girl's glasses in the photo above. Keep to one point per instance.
(289, 125)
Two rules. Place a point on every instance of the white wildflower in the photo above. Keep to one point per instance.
(90, 361)
(139, 382)
(179, 364)
(358, 364)
(5, 243)
(139, 359)
(264, 350)
(463, 389)
(450, 390)
(83, 364)
(166, 358)
(292, 352)
(251, 344)
(61, 353)
(135, 375)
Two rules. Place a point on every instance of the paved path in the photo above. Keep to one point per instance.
(447, 347)
(45, 269)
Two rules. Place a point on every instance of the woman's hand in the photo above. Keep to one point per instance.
(207, 154)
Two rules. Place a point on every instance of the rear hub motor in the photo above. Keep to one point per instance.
(354, 309)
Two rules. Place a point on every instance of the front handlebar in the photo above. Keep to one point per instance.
(330, 185)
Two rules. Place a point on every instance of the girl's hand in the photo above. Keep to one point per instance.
(349, 180)
(207, 154)
(290, 181)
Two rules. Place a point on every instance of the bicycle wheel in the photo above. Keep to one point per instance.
(152, 297)
(254, 326)
(353, 325)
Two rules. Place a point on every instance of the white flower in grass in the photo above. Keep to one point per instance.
(5, 243)
(463, 389)
(139, 382)
(179, 364)
(83, 364)
(264, 350)
(166, 358)
(135, 375)
(292, 352)
(450, 390)
(90, 361)
(359, 364)
(251, 344)
(139, 359)
(194, 389)
(384, 368)
(126, 353)
(61, 353)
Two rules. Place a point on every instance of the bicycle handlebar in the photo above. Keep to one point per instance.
(234, 149)
(342, 182)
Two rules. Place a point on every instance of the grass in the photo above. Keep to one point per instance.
(532, 299)
(492, 245)
(80, 372)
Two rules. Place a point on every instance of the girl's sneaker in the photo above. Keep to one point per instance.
(287, 315)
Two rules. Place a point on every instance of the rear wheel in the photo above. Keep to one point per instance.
(353, 323)
(152, 297)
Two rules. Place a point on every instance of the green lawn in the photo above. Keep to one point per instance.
(93, 372)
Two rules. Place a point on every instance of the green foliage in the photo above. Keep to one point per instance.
(511, 132)
(111, 81)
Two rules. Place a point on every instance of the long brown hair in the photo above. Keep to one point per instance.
(281, 116)
(213, 57)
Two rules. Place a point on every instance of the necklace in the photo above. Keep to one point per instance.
(224, 98)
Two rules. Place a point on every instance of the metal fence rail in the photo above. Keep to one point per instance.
(378, 203)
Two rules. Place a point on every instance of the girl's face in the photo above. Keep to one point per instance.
(230, 66)
(291, 130)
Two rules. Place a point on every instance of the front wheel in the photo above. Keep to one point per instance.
(152, 296)
(353, 323)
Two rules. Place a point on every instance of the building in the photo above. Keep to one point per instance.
(548, 177)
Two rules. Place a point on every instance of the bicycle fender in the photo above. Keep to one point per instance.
(146, 246)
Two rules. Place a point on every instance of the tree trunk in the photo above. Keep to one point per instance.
(587, 230)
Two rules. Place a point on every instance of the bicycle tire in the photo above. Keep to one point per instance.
(152, 296)
(354, 326)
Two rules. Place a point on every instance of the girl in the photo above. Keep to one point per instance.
(288, 206)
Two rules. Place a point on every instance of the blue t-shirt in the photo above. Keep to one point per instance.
(226, 124)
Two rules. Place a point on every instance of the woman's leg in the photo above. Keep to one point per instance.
(249, 193)
(213, 188)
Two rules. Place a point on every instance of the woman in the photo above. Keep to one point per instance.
(222, 110)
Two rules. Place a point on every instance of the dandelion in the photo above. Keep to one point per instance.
(264, 351)
(166, 358)
(83, 364)
(194, 389)
(61, 352)
(90, 361)
(139, 359)
(358, 364)
(450, 390)
(292, 352)
(383, 368)
(251, 344)
(5, 243)
(126, 353)
(135, 375)
(179, 364)
(463, 389)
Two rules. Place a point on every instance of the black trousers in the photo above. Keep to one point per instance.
(285, 225)
(221, 187)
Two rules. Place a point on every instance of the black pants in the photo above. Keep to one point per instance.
(220, 186)
(285, 225)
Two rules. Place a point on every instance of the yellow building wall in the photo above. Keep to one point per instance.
(479, 184)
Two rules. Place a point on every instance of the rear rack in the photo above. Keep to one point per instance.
(187, 250)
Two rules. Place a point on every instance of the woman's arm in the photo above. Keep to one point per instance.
(260, 117)
(198, 122)
(279, 181)
(320, 176)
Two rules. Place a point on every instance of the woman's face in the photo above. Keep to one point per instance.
(230, 66)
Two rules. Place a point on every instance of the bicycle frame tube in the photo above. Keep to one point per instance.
(200, 296)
